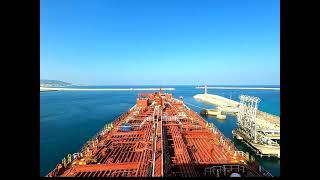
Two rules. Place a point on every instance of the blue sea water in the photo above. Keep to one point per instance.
(69, 118)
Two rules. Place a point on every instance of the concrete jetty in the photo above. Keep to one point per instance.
(216, 100)
(265, 120)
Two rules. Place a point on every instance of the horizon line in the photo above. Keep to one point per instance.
(176, 85)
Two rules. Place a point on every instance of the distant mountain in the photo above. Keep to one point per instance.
(53, 83)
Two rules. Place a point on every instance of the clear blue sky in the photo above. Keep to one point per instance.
(159, 42)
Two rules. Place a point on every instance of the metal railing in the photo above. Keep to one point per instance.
(265, 172)
(223, 169)
(86, 146)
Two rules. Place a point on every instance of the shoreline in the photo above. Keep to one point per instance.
(44, 89)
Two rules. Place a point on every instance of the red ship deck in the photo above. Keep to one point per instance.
(159, 136)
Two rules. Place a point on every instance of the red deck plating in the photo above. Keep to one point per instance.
(159, 136)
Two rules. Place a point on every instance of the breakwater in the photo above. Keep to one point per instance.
(104, 89)
(243, 88)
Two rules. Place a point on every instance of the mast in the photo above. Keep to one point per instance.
(205, 89)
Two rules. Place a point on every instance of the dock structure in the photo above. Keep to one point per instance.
(265, 120)
(264, 141)
(259, 130)
(158, 137)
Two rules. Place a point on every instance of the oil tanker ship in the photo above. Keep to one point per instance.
(159, 137)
